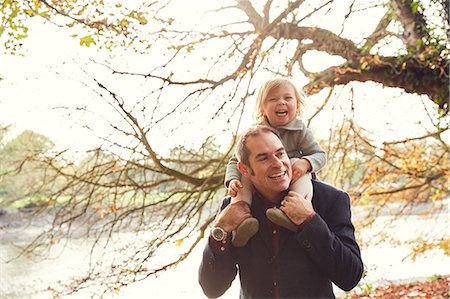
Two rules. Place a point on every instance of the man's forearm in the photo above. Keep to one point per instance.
(217, 272)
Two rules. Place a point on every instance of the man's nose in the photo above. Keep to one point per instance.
(276, 162)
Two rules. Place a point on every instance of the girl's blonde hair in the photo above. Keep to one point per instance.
(267, 87)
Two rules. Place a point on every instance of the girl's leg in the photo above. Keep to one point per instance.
(249, 226)
(245, 194)
(303, 186)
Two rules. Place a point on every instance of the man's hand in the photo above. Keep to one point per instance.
(299, 168)
(234, 187)
(233, 215)
(297, 208)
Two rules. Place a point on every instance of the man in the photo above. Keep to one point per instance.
(279, 263)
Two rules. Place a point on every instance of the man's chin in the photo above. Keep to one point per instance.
(280, 186)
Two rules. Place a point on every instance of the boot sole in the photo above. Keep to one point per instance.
(245, 231)
(278, 217)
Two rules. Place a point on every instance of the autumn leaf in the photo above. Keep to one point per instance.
(87, 41)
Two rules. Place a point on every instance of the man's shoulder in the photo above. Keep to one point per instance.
(327, 197)
(325, 189)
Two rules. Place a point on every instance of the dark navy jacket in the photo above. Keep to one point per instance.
(324, 251)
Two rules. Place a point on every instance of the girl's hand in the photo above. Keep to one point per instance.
(234, 187)
(299, 168)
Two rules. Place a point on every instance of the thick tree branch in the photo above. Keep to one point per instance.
(323, 40)
(411, 76)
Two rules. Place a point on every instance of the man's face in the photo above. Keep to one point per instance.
(270, 170)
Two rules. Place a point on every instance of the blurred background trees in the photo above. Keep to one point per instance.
(197, 75)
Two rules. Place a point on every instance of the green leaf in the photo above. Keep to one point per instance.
(414, 7)
(21, 36)
(87, 41)
(419, 42)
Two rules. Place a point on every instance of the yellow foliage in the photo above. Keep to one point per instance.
(364, 65)
(376, 59)
(423, 246)
(445, 246)
(408, 172)
(124, 23)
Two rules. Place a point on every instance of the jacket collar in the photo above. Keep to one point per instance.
(294, 125)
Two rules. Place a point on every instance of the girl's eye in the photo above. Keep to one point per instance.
(272, 99)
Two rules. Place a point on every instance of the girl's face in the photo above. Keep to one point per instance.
(280, 105)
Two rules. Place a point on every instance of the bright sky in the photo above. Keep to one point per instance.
(51, 75)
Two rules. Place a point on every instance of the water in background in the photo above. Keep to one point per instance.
(384, 263)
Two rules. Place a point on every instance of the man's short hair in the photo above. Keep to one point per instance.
(242, 152)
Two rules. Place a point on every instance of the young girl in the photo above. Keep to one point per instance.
(278, 105)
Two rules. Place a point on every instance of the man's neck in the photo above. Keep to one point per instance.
(273, 198)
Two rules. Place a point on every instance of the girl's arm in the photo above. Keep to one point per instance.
(312, 151)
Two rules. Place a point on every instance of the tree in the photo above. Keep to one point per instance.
(116, 23)
(22, 173)
(407, 48)
(114, 189)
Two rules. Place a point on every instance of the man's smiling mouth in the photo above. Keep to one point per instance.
(277, 175)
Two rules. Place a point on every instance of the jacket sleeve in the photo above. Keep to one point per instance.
(217, 271)
(332, 244)
(312, 151)
(232, 171)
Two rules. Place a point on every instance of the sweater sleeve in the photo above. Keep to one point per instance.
(232, 172)
(312, 151)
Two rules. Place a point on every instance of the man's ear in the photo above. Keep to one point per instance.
(244, 169)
